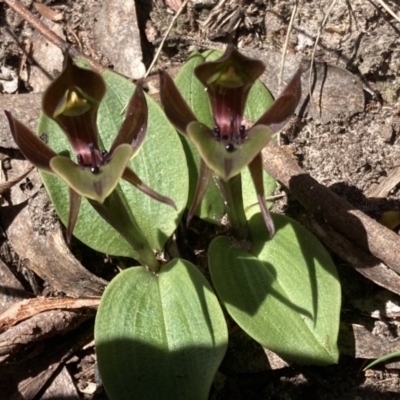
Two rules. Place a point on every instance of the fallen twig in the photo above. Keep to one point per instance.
(389, 10)
(44, 30)
(364, 263)
(360, 230)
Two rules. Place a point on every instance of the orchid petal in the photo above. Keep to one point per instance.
(284, 106)
(256, 171)
(228, 81)
(231, 70)
(30, 145)
(132, 178)
(225, 158)
(205, 174)
(175, 107)
(134, 127)
(74, 206)
(94, 186)
(72, 100)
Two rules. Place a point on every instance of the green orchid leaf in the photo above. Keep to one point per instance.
(227, 162)
(285, 294)
(212, 208)
(192, 89)
(94, 186)
(160, 336)
(160, 165)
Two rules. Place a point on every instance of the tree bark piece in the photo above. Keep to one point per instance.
(44, 251)
(361, 230)
(24, 379)
(40, 327)
(28, 308)
(364, 263)
(384, 187)
(11, 290)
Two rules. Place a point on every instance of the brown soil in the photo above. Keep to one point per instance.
(349, 143)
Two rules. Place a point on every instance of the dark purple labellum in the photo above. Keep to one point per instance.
(79, 158)
(95, 169)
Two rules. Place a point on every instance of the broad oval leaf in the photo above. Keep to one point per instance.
(285, 294)
(160, 337)
(160, 163)
(212, 208)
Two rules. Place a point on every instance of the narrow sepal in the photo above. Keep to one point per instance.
(231, 70)
(256, 171)
(132, 178)
(75, 200)
(134, 127)
(34, 150)
(284, 106)
(227, 159)
(96, 186)
(175, 107)
(205, 174)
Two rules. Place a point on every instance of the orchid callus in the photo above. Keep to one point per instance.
(230, 145)
(72, 101)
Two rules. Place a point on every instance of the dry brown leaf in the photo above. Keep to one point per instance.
(48, 12)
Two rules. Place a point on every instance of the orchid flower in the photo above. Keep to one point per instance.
(72, 101)
(230, 145)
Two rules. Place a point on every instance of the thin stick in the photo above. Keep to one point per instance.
(388, 9)
(316, 44)
(52, 37)
(165, 38)
(37, 24)
(280, 78)
(289, 30)
(330, 209)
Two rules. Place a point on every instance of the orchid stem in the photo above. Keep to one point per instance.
(232, 191)
(115, 213)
